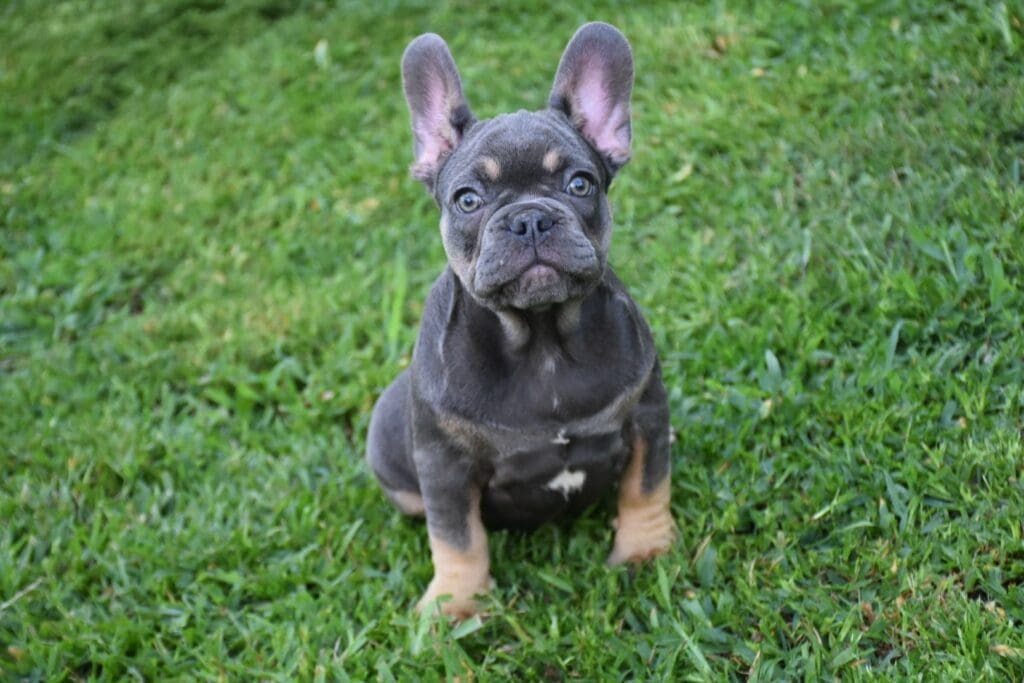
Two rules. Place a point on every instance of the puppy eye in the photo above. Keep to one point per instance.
(468, 201)
(580, 185)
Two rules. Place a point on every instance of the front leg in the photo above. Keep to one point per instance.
(458, 542)
(461, 562)
(644, 527)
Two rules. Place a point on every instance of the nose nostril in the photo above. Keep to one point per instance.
(530, 222)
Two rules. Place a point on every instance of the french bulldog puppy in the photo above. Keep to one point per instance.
(534, 387)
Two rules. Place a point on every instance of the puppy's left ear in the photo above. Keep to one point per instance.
(593, 86)
(440, 115)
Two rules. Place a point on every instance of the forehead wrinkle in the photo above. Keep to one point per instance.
(523, 147)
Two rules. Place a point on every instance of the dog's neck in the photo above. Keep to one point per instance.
(558, 320)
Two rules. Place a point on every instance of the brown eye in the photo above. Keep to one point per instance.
(580, 186)
(468, 201)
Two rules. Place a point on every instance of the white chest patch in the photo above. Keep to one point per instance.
(560, 439)
(568, 481)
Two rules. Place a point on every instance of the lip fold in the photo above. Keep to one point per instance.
(539, 274)
(533, 271)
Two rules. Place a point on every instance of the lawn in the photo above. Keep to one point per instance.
(213, 259)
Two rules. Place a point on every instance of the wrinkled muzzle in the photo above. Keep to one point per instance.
(535, 253)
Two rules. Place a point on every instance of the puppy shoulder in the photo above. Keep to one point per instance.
(630, 316)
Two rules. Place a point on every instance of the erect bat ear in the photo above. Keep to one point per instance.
(440, 115)
(593, 86)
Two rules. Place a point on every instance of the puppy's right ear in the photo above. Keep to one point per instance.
(440, 115)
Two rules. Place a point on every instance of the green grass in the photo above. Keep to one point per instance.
(212, 260)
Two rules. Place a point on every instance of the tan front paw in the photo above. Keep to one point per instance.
(642, 534)
(460, 570)
(461, 604)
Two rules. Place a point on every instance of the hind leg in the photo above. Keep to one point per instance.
(389, 447)
(458, 542)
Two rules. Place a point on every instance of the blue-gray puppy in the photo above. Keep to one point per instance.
(534, 387)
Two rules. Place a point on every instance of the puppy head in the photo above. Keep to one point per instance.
(524, 212)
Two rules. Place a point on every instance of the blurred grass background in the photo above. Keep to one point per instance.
(212, 260)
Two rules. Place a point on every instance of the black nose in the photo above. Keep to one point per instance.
(531, 224)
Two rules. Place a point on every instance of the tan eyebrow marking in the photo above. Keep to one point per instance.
(551, 161)
(491, 168)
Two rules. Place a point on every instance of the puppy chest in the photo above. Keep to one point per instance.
(562, 477)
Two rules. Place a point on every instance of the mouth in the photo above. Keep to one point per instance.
(539, 274)
(533, 273)
(539, 285)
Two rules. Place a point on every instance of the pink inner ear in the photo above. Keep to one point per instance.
(432, 128)
(604, 123)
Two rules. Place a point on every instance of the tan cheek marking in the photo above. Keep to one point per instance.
(551, 161)
(460, 573)
(644, 527)
(491, 168)
(408, 502)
